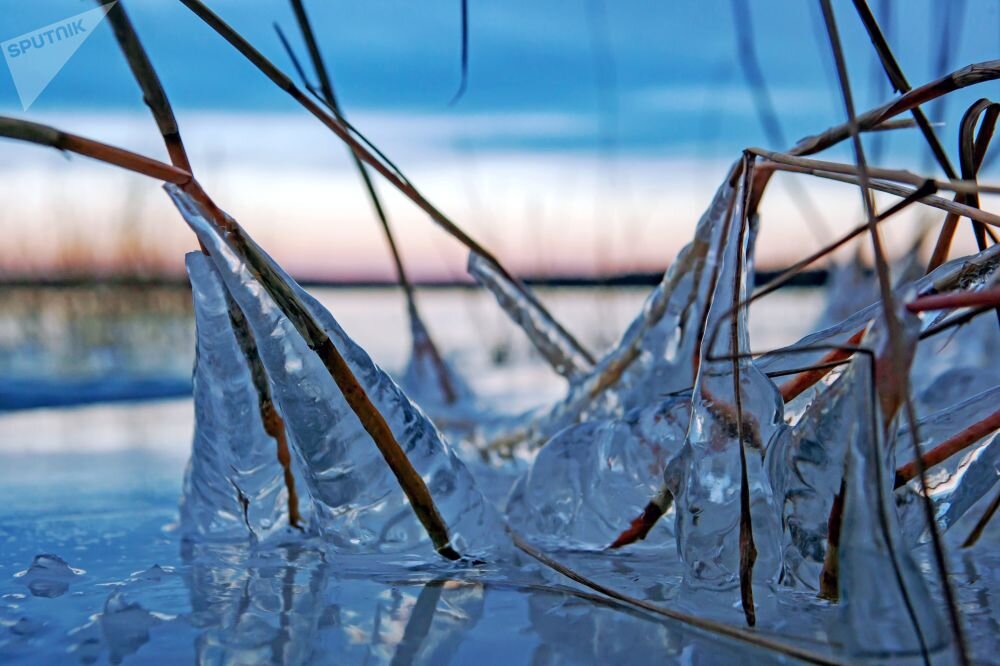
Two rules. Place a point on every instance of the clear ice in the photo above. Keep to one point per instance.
(900, 618)
(734, 406)
(562, 352)
(359, 503)
(234, 486)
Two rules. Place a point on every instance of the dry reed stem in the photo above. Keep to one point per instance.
(43, 135)
(897, 379)
(946, 449)
(422, 340)
(747, 547)
(892, 175)
(955, 300)
(159, 104)
(373, 421)
(349, 135)
(145, 75)
(900, 191)
(972, 150)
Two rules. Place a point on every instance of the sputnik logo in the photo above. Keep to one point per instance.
(36, 57)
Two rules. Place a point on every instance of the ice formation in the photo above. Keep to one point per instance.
(961, 480)
(901, 618)
(558, 347)
(736, 412)
(590, 476)
(675, 416)
(653, 357)
(234, 487)
(359, 504)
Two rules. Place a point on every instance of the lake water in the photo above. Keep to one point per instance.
(97, 486)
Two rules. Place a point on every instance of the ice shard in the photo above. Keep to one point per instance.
(885, 606)
(805, 468)
(360, 506)
(553, 342)
(234, 487)
(591, 476)
(656, 353)
(734, 406)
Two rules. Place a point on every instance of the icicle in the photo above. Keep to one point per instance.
(361, 505)
(555, 344)
(233, 486)
(592, 475)
(708, 469)
(805, 467)
(655, 355)
(885, 606)
(959, 482)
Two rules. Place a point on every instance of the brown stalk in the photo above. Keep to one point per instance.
(972, 149)
(373, 421)
(145, 75)
(43, 135)
(274, 425)
(423, 342)
(955, 300)
(374, 158)
(899, 378)
(894, 175)
(156, 99)
(946, 449)
(747, 547)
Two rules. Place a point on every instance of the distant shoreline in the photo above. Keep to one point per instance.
(813, 278)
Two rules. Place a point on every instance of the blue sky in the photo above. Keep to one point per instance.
(604, 85)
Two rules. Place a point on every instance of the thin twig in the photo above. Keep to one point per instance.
(361, 147)
(163, 113)
(421, 334)
(894, 332)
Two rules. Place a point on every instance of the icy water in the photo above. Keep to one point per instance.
(92, 568)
